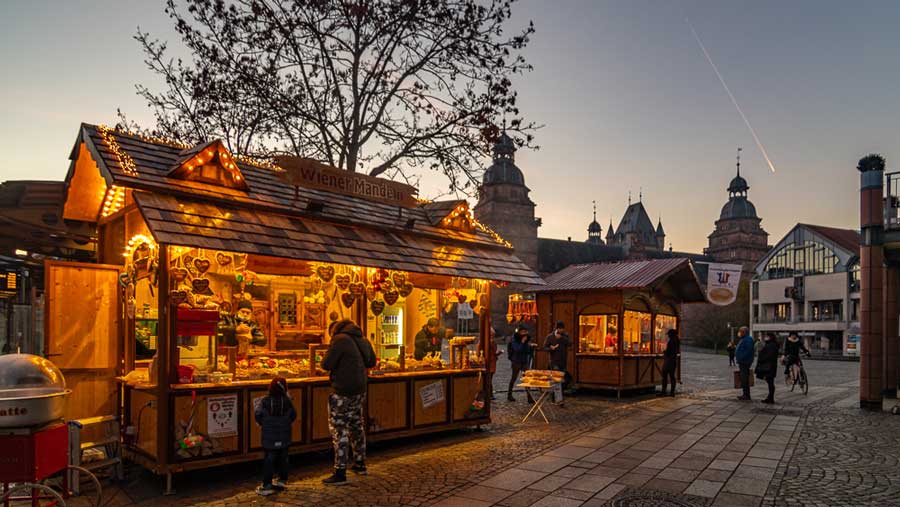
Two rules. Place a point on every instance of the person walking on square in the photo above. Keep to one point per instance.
(743, 354)
(520, 351)
(492, 353)
(275, 413)
(348, 357)
(557, 343)
(670, 361)
(767, 365)
(730, 348)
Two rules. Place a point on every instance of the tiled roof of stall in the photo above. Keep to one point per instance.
(268, 220)
(154, 160)
(182, 221)
(616, 275)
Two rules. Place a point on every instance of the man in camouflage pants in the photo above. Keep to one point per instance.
(348, 357)
(345, 420)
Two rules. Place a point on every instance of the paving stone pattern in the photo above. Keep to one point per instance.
(699, 449)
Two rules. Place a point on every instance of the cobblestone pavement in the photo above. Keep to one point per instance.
(701, 449)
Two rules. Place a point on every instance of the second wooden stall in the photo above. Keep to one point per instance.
(617, 315)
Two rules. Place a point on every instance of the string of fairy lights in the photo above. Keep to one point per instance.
(115, 196)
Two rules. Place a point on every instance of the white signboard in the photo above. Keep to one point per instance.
(722, 283)
(432, 394)
(464, 311)
(221, 416)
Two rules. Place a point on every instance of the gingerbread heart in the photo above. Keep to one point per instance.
(357, 289)
(200, 285)
(386, 285)
(201, 264)
(176, 297)
(348, 298)
(342, 281)
(377, 307)
(406, 289)
(223, 259)
(462, 298)
(391, 297)
(179, 274)
(370, 292)
(399, 279)
(326, 273)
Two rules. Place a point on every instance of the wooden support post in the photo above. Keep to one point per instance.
(163, 357)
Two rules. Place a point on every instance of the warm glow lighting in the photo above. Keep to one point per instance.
(21, 253)
(125, 161)
(114, 201)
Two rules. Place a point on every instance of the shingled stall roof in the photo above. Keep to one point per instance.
(149, 164)
(267, 219)
(638, 274)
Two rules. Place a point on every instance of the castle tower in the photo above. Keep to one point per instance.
(738, 237)
(504, 205)
(595, 232)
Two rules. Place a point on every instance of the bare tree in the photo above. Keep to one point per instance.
(363, 85)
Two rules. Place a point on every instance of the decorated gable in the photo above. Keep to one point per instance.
(209, 163)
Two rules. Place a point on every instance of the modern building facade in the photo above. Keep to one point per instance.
(809, 283)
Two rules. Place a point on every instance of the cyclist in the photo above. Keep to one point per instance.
(792, 349)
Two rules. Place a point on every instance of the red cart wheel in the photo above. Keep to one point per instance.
(31, 494)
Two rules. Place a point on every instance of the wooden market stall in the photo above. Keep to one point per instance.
(617, 315)
(233, 270)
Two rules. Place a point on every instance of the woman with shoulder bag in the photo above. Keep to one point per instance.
(767, 365)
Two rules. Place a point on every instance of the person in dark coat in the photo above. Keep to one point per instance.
(670, 361)
(744, 357)
(767, 365)
(558, 343)
(730, 348)
(275, 413)
(348, 357)
(520, 351)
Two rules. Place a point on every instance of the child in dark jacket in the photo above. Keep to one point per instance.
(275, 414)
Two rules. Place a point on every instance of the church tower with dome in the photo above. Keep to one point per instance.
(738, 237)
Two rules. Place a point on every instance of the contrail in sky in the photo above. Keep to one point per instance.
(731, 96)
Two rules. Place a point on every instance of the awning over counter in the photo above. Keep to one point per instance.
(196, 223)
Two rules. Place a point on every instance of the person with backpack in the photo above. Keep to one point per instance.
(348, 357)
(275, 414)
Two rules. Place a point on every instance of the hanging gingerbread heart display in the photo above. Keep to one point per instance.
(200, 285)
(326, 273)
(406, 289)
(177, 297)
(462, 298)
(179, 274)
(348, 298)
(391, 297)
(399, 279)
(357, 289)
(223, 259)
(342, 281)
(377, 307)
(201, 264)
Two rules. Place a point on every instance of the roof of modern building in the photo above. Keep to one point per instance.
(848, 239)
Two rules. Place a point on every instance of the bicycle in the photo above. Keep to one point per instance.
(791, 380)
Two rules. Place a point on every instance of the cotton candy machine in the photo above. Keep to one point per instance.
(32, 391)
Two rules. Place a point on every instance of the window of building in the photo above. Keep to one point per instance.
(755, 313)
(826, 310)
(854, 310)
(782, 312)
(798, 259)
(854, 277)
(755, 287)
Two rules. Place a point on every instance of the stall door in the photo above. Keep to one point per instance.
(82, 333)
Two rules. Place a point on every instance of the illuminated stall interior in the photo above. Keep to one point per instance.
(619, 314)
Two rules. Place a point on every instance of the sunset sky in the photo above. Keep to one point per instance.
(626, 96)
